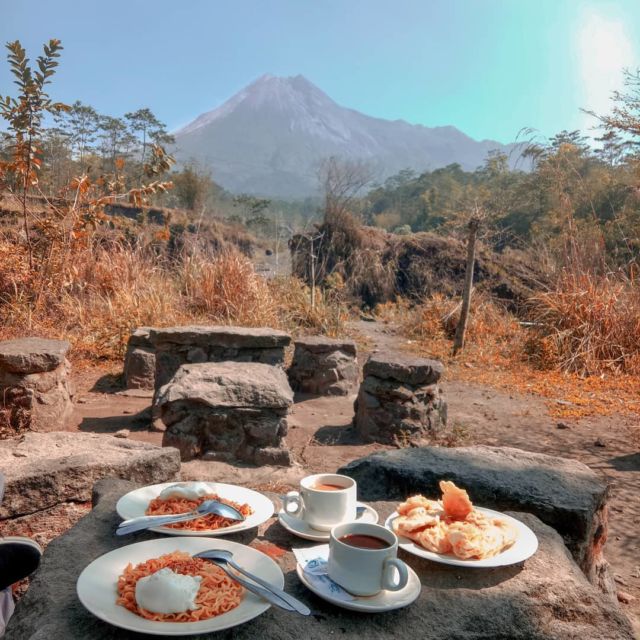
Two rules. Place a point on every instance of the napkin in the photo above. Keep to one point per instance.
(314, 561)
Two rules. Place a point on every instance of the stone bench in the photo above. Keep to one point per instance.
(399, 401)
(50, 476)
(140, 360)
(323, 366)
(175, 346)
(227, 411)
(35, 390)
(547, 598)
(565, 494)
(43, 470)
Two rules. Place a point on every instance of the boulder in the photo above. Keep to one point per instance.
(35, 389)
(32, 355)
(323, 366)
(227, 411)
(46, 469)
(547, 598)
(565, 494)
(140, 360)
(399, 401)
(175, 346)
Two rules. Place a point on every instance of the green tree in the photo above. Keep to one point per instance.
(116, 140)
(145, 127)
(192, 187)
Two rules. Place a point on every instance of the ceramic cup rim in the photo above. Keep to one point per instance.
(307, 481)
(378, 532)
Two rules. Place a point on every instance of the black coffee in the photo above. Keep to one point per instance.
(364, 542)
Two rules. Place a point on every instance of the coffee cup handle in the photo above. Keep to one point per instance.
(293, 498)
(388, 582)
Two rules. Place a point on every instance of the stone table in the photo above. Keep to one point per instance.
(563, 493)
(175, 346)
(227, 411)
(546, 599)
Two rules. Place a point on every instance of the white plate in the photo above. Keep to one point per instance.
(97, 585)
(383, 601)
(524, 547)
(135, 503)
(301, 529)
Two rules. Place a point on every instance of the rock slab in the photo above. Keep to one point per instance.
(227, 411)
(399, 401)
(564, 494)
(176, 346)
(140, 360)
(324, 366)
(46, 469)
(547, 598)
(35, 389)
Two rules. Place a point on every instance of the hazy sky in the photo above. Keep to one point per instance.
(488, 67)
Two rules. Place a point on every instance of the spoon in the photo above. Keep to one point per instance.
(207, 507)
(222, 556)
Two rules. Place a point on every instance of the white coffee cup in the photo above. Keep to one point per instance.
(365, 571)
(322, 509)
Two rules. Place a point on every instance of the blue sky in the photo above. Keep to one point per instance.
(488, 67)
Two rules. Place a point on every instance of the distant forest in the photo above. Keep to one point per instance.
(571, 187)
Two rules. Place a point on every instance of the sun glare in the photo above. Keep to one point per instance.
(604, 50)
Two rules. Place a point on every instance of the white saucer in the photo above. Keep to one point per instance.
(301, 529)
(383, 601)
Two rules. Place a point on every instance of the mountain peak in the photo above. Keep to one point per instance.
(270, 138)
(284, 94)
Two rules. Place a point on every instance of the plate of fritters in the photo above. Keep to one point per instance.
(147, 501)
(452, 531)
(107, 587)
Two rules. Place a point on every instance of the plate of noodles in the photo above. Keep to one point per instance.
(181, 497)
(113, 586)
(453, 531)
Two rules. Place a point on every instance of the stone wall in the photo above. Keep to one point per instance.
(176, 346)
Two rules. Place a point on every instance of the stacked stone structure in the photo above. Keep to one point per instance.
(35, 390)
(140, 360)
(175, 346)
(399, 401)
(227, 411)
(323, 366)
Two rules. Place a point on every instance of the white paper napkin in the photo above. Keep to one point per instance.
(314, 564)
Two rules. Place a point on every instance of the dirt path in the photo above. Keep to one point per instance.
(321, 440)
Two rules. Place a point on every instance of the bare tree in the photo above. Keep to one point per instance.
(342, 182)
(473, 226)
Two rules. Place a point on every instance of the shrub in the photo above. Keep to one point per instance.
(588, 324)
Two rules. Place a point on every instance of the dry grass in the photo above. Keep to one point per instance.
(497, 354)
(101, 291)
(588, 324)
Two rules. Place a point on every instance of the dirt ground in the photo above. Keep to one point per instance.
(321, 440)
